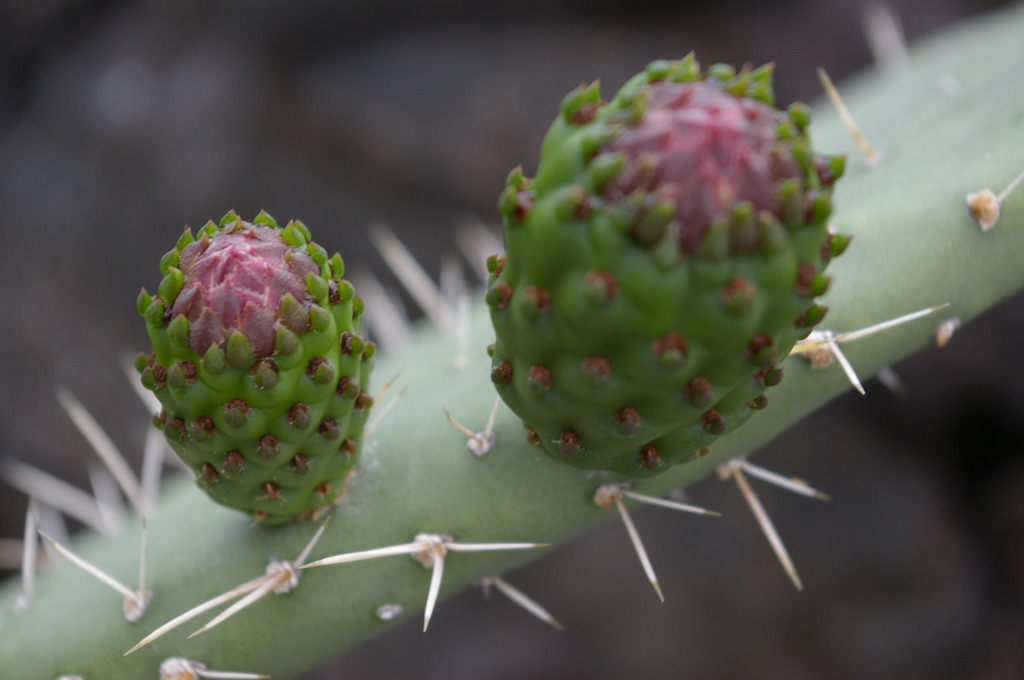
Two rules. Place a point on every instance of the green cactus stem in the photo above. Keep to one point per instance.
(915, 247)
(259, 365)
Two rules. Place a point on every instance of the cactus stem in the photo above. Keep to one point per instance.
(177, 668)
(479, 443)
(871, 157)
(416, 281)
(984, 205)
(135, 601)
(520, 598)
(279, 578)
(103, 446)
(794, 484)
(429, 550)
(735, 471)
(822, 346)
(607, 495)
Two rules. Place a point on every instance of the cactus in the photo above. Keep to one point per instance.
(915, 247)
(259, 365)
(659, 265)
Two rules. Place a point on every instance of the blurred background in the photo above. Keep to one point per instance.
(121, 122)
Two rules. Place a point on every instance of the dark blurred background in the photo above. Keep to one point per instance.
(121, 122)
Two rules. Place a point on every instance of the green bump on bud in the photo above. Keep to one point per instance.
(831, 169)
(317, 252)
(213, 361)
(264, 219)
(743, 231)
(579, 106)
(498, 295)
(494, 264)
(230, 217)
(337, 266)
(659, 69)
(666, 254)
(239, 351)
(771, 376)
(669, 351)
(539, 381)
(791, 202)
(345, 293)
(652, 224)
(370, 351)
(738, 296)
(250, 329)
(286, 342)
(599, 288)
(811, 317)
(154, 314)
(800, 114)
(301, 226)
(319, 318)
(685, 70)
(185, 238)
(168, 260)
(515, 177)
(534, 302)
(143, 301)
(772, 236)
(603, 169)
(181, 375)
(821, 207)
(293, 236)
(713, 422)
(265, 374)
(141, 362)
(293, 314)
(320, 371)
(715, 246)
(837, 245)
(721, 72)
(317, 287)
(177, 332)
(148, 379)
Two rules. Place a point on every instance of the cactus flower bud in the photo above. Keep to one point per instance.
(263, 397)
(677, 237)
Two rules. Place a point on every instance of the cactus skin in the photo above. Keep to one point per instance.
(259, 365)
(660, 264)
(937, 148)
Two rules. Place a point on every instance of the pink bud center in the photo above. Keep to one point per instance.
(704, 150)
(235, 281)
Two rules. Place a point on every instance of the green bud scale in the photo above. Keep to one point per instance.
(659, 266)
(258, 363)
